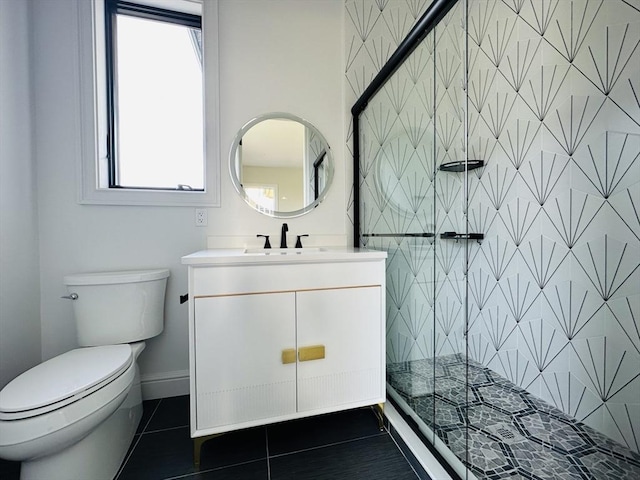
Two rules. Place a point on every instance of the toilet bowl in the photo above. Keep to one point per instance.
(74, 416)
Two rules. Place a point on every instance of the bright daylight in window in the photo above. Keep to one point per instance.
(158, 106)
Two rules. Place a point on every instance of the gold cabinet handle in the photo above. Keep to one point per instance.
(289, 355)
(313, 352)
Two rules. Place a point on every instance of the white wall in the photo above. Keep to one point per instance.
(19, 285)
(282, 56)
(276, 55)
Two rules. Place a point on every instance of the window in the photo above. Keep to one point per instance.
(148, 104)
(154, 94)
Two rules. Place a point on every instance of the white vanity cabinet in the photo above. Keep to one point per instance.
(239, 376)
(275, 338)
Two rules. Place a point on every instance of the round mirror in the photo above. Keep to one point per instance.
(281, 165)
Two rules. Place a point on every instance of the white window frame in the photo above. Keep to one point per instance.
(92, 164)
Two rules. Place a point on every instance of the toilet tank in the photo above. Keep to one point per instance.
(118, 307)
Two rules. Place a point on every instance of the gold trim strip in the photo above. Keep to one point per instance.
(289, 355)
(242, 294)
(313, 352)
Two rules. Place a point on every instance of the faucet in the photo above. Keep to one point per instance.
(266, 240)
(299, 240)
(283, 235)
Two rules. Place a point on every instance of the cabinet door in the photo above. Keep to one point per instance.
(348, 323)
(239, 370)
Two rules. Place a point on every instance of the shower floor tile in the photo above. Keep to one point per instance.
(500, 430)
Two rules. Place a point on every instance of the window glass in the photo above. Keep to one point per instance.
(158, 84)
(157, 127)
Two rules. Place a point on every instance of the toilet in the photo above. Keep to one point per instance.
(75, 415)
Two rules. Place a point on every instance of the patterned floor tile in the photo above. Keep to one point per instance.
(484, 453)
(476, 375)
(509, 432)
(455, 392)
(544, 462)
(484, 415)
(502, 398)
(552, 431)
(608, 467)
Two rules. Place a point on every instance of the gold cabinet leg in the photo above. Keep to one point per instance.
(378, 410)
(197, 447)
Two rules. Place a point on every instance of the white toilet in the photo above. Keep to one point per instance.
(73, 417)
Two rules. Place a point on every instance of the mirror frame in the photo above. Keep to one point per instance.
(233, 167)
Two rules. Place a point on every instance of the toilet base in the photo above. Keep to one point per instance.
(98, 455)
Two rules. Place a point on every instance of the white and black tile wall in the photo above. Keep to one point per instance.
(552, 107)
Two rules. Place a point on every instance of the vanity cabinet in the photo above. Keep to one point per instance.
(278, 339)
(238, 373)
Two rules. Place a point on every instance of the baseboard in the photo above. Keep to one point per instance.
(165, 384)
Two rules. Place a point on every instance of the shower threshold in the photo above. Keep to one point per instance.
(511, 433)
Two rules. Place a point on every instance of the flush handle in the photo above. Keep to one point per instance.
(71, 296)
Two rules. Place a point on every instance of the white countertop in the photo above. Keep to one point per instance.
(240, 256)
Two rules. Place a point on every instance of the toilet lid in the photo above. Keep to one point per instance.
(65, 376)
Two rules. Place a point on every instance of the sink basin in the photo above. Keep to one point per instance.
(283, 251)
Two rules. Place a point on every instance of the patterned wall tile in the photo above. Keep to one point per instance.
(552, 107)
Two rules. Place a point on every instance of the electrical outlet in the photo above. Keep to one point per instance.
(201, 217)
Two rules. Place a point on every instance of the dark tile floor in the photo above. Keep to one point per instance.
(500, 430)
(344, 445)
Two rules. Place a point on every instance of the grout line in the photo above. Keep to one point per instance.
(150, 417)
(266, 442)
(126, 459)
(166, 429)
(209, 470)
(135, 444)
(329, 445)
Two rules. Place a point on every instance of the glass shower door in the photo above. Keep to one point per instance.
(413, 206)
(398, 201)
(451, 393)
(500, 171)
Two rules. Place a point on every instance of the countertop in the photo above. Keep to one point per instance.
(241, 256)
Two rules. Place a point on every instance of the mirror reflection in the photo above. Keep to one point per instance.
(281, 165)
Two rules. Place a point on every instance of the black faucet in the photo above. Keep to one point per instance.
(299, 240)
(266, 240)
(283, 235)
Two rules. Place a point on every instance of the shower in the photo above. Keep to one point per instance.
(497, 160)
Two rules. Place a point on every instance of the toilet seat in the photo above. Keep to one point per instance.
(30, 437)
(63, 380)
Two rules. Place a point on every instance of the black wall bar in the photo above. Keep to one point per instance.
(431, 17)
(401, 235)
